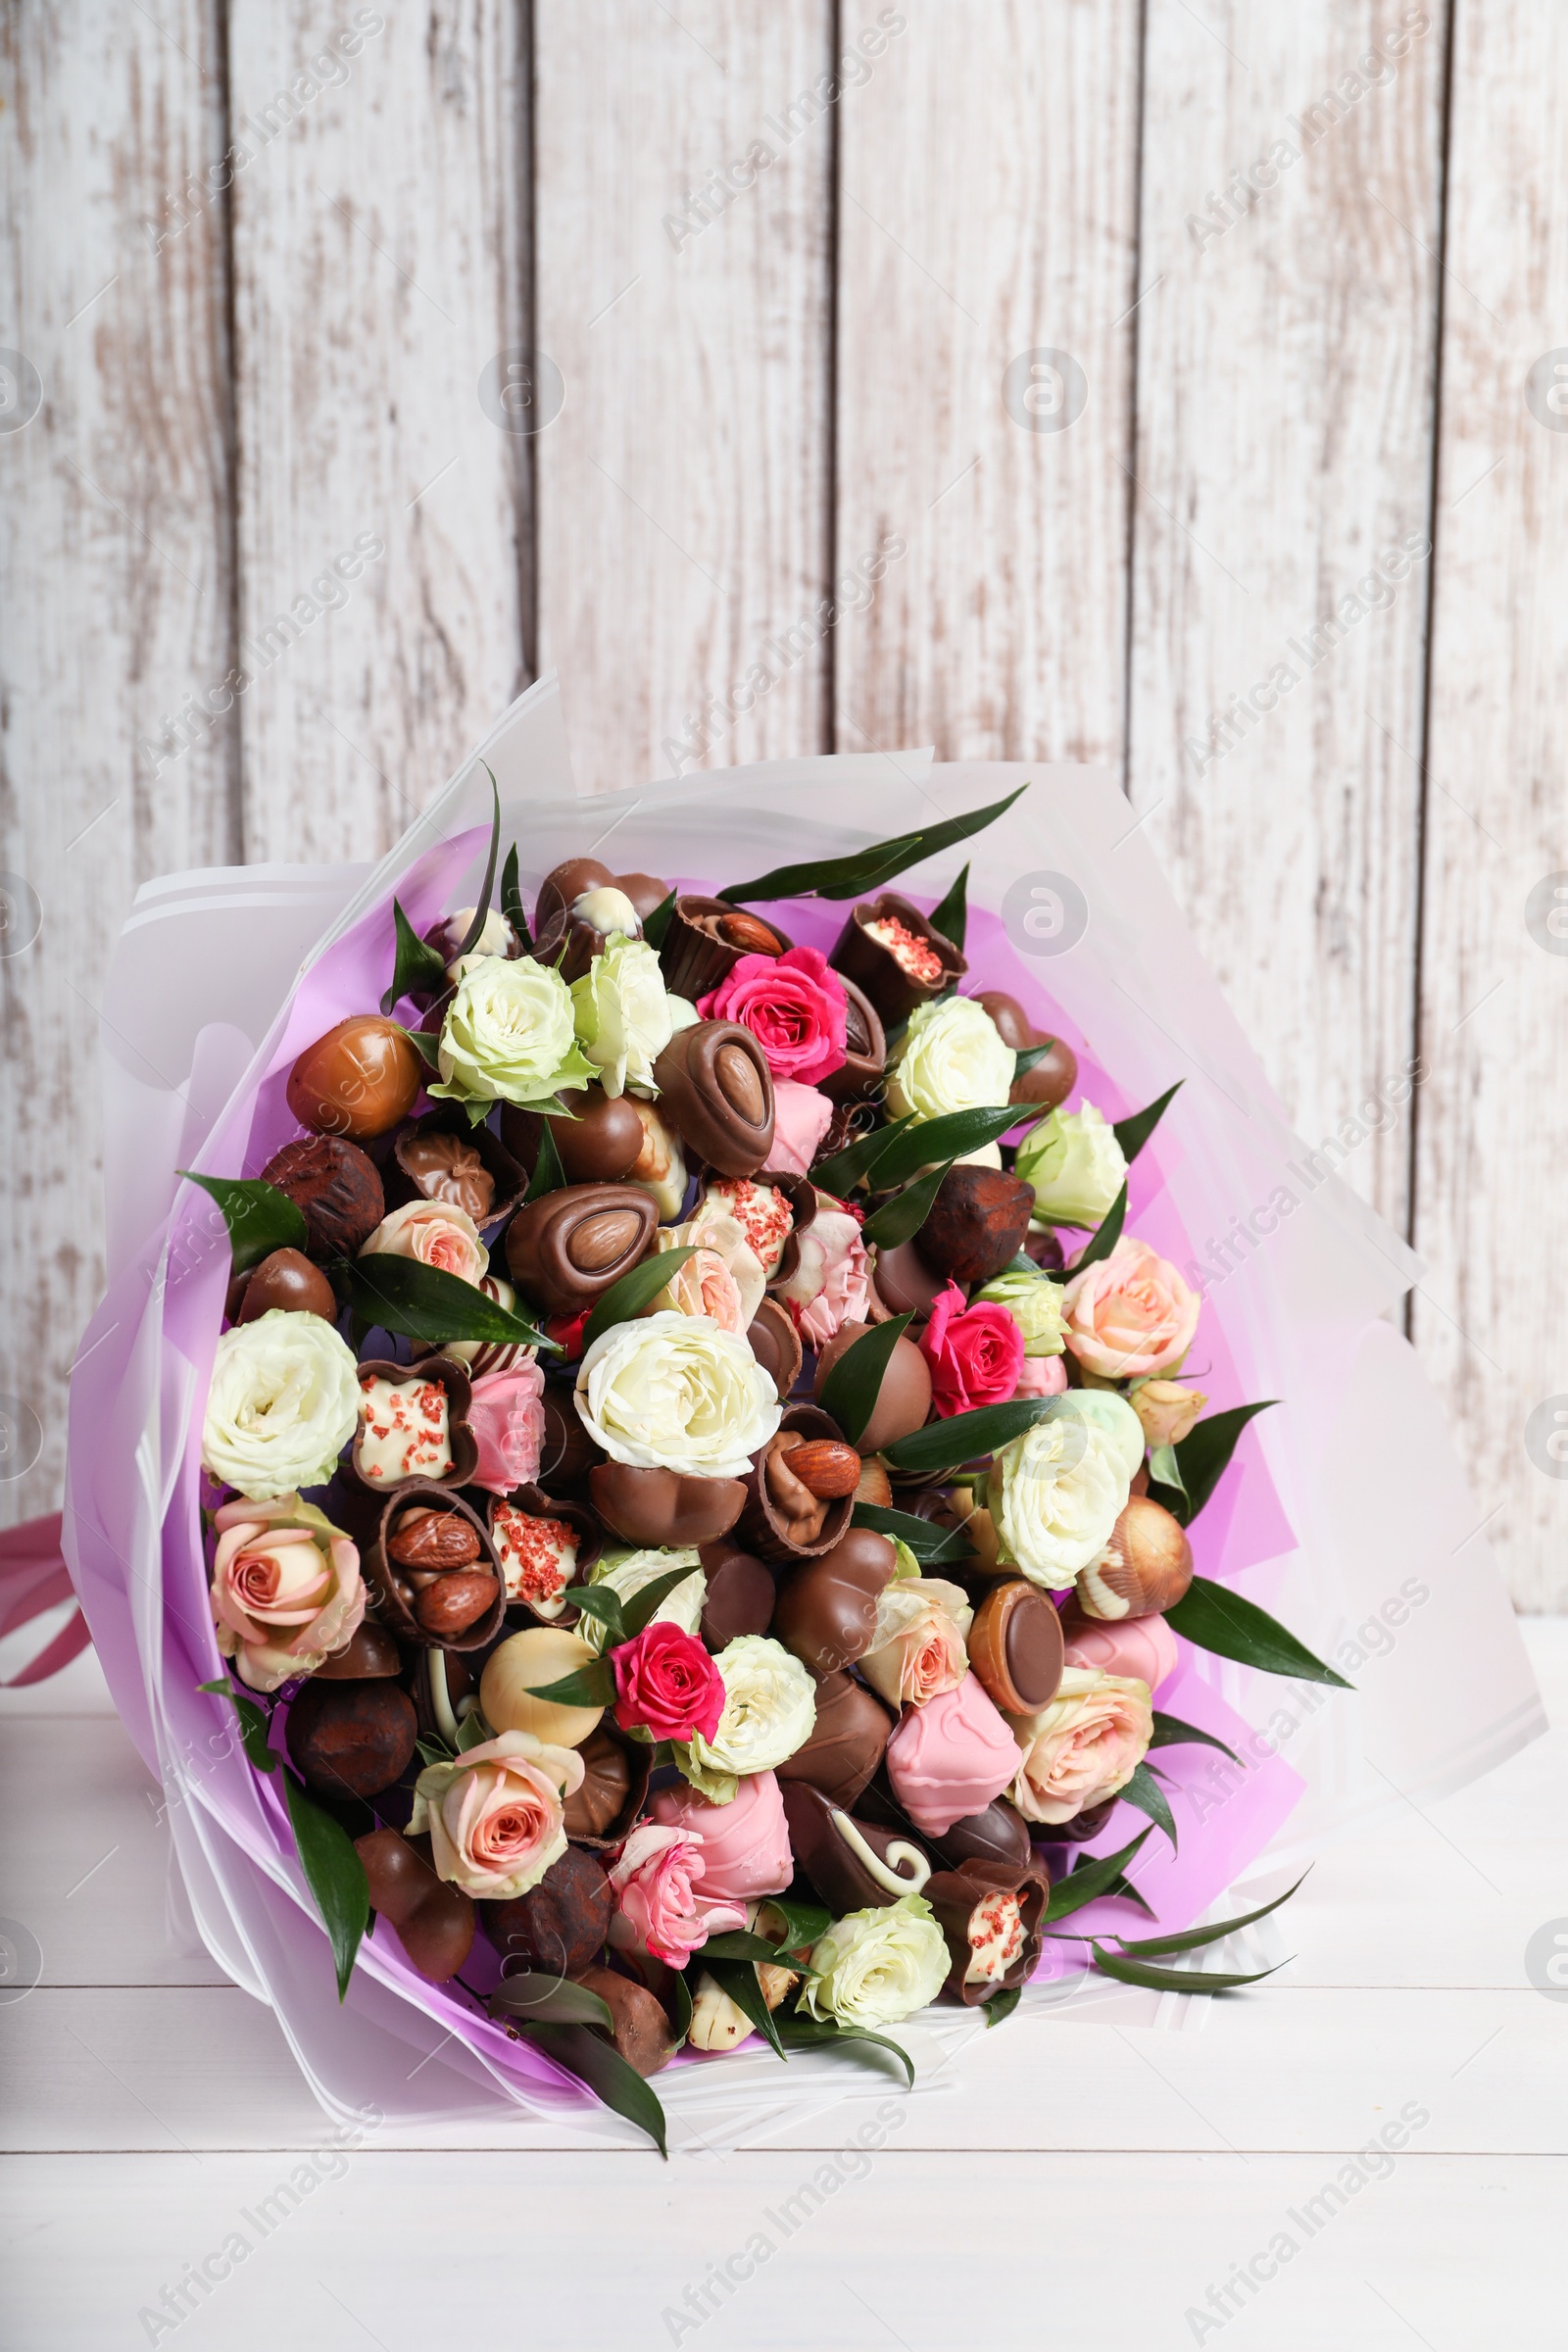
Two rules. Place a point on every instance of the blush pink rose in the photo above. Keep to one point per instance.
(287, 1589)
(1082, 1748)
(508, 1418)
(659, 1903)
(704, 1286)
(832, 1283)
(1042, 1375)
(1130, 1314)
(794, 1007)
(495, 1815)
(434, 1233)
(975, 1352)
(801, 1119)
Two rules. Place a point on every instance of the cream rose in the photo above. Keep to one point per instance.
(723, 1281)
(1054, 1495)
(917, 1646)
(284, 1401)
(494, 1816)
(1166, 1411)
(1130, 1314)
(622, 1015)
(716, 1228)
(1108, 1412)
(770, 1711)
(1035, 1303)
(875, 1968)
(1075, 1165)
(286, 1588)
(1082, 1748)
(626, 1573)
(676, 1392)
(434, 1233)
(507, 1036)
(952, 1058)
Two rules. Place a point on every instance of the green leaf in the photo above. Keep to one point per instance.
(472, 1731)
(1134, 1132)
(644, 1605)
(416, 965)
(1171, 1731)
(594, 2061)
(840, 1174)
(1205, 1455)
(426, 1044)
(853, 1386)
(1220, 1620)
(868, 869)
(932, 1545)
(1001, 2005)
(253, 1723)
(900, 1218)
(1170, 1979)
(1145, 1792)
(946, 1139)
(1028, 1056)
(482, 909)
(737, 1945)
(1194, 1938)
(1103, 1240)
(603, 1603)
(433, 1751)
(426, 1302)
(549, 2000)
(797, 2032)
(681, 1996)
(334, 1874)
(549, 1176)
(952, 916)
(259, 1218)
(738, 1978)
(590, 1686)
(1164, 1469)
(964, 1437)
(1091, 1880)
(803, 1924)
(511, 901)
(632, 1293)
(657, 923)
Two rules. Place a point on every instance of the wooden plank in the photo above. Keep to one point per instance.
(115, 601)
(1284, 445)
(379, 267)
(1492, 1221)
(683, 489)
(989, 211)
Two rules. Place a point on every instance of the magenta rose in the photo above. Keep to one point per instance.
(975, 1352)
(794, 1007)
(508, 1418)
(656, 1879)
(666, 1685)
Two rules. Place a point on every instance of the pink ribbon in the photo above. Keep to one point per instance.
(33, 1578)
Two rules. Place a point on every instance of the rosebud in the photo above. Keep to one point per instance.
(1167, 1409)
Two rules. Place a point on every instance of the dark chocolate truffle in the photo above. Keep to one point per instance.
(351, 1739)
(336, 1189)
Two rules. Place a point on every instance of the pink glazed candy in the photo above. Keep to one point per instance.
(949, 1758)
(746, 1844)
(1141, 1647)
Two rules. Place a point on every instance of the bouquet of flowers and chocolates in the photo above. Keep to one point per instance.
(698, 1470)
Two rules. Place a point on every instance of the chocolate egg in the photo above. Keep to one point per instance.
(597, 1145)
(336, 1189)
(638, 2027)
(287, 1279)
(716, 1087)
(567, 1247)
(661, 1508)
(826, 1610)
(358, 1080)
(905, 1282)
(351, 1739)
(523, 1663)
(904, 1398)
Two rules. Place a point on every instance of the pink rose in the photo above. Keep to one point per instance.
(1042, 1375)
(287, 1589)
(801, 1119)
(1130, 1313)
(1082, 1748)
(975, 1352)
(495, 1815)
(794, 1007)
(435, 1234)
(656, 1879)
(831, 1284)
(746, 1843)
(666, 1685)
(508, 1418)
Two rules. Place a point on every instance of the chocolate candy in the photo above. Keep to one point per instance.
(397, 1588)
(1055, 1074)
(1016, 1646)
(368, 1653)
(715, 1084)
(1044, 1249)
(496, 937)
(776, 1345)
(1000, 1833)
(908, 968)
(853, 1864)
(614, 1787)
(566, 883)
(905, 1282)
(336, 1189)
(433, 1920)
(566, 1451)
(359, 1080)
(989, 1913)
(560, 1925)
(414, 1425)
(444, 1167)
(784, 1520)
(661, 1508)
(284, 1279)
(904, 1398)
(544, 1548)
(706, 940)
(738, 1596)
(977, 1223)
(638, 2026)
(659, 1166)
(847, 1742)
(826, 1612)
(1146, 1567)
(529, 1661)
(599, 1144)
(351, 1739)
(865, 1051)
(566, 1249)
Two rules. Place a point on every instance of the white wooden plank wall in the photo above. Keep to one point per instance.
(783, 294)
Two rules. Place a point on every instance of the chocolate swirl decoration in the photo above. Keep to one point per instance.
(716, 1091)
(566, 1249)
(853, 1864)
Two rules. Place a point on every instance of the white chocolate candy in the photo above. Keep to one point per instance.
(996, 1940)
(403, 1431)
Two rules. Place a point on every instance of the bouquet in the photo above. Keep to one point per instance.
(694, 1473)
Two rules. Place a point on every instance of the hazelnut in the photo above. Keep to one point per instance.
(351, 1739)
(559, 1925)
(977, 1223)
(1145, 1568)
(359, 1080)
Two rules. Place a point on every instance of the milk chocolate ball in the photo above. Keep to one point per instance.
(359, 1080)
(904, 1398)
(287, 1279)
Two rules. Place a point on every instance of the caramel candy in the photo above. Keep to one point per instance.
(1016, 1646)
(566, 1249)
(826, 1612)
(715, 1086)
(359, 1080)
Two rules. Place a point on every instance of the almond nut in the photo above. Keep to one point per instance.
(454, 1603)
(748, 932)
(826, 1468)
(429, 1539)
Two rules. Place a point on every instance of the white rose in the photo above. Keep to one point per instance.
(622, 1015)
(1110, 1412)
(1055, 1493)
(952, 1058)
(770, 1711)
(1076, 1168)
(508, 1035)
(875, 1968)
(1035, 1303)
(626, 1573)
(673, 1391)
(285, 1401)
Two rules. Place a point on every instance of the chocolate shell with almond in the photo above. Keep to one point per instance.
(847, 1742)
(566, 1249)
(784, 1519)
(426, 1535)
(826, 1610)
(715, 1089)
(706, 939)
(600, 1144)
(336, 1187)
(664, 1508)
(442, 1157)
(977, 1223)
(865, 1049)
(853, 1864)
(413, 1426)
(614, 1787)
(990, 1914)
(890, 950)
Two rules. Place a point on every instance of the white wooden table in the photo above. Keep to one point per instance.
(1072, 2186)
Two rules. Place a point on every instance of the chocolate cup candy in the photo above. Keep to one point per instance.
(560, 1925)
(600, 1144)
(1000, 1833)
(566, 1451)
(664, 1508)
(421, 1168)
(284, 1279)
(874, 968)
(977, 1225)
(957, 1899)
(801, 1193)
(853, 1864)
(866, 1049)
(336, 1189)
(706, 939)
(716, 1090)
(848, 1740)
(462, 1444)
(368, 1653)
(393, 1594)
(359, 1080)
(761, 1527)
(351, 1739)
(431, 1919)
(738, 1597)
(903, 1400)
(566, 1249)
(537, 1505)
(776, 1345)
(826, 1612)
(613, 1790)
